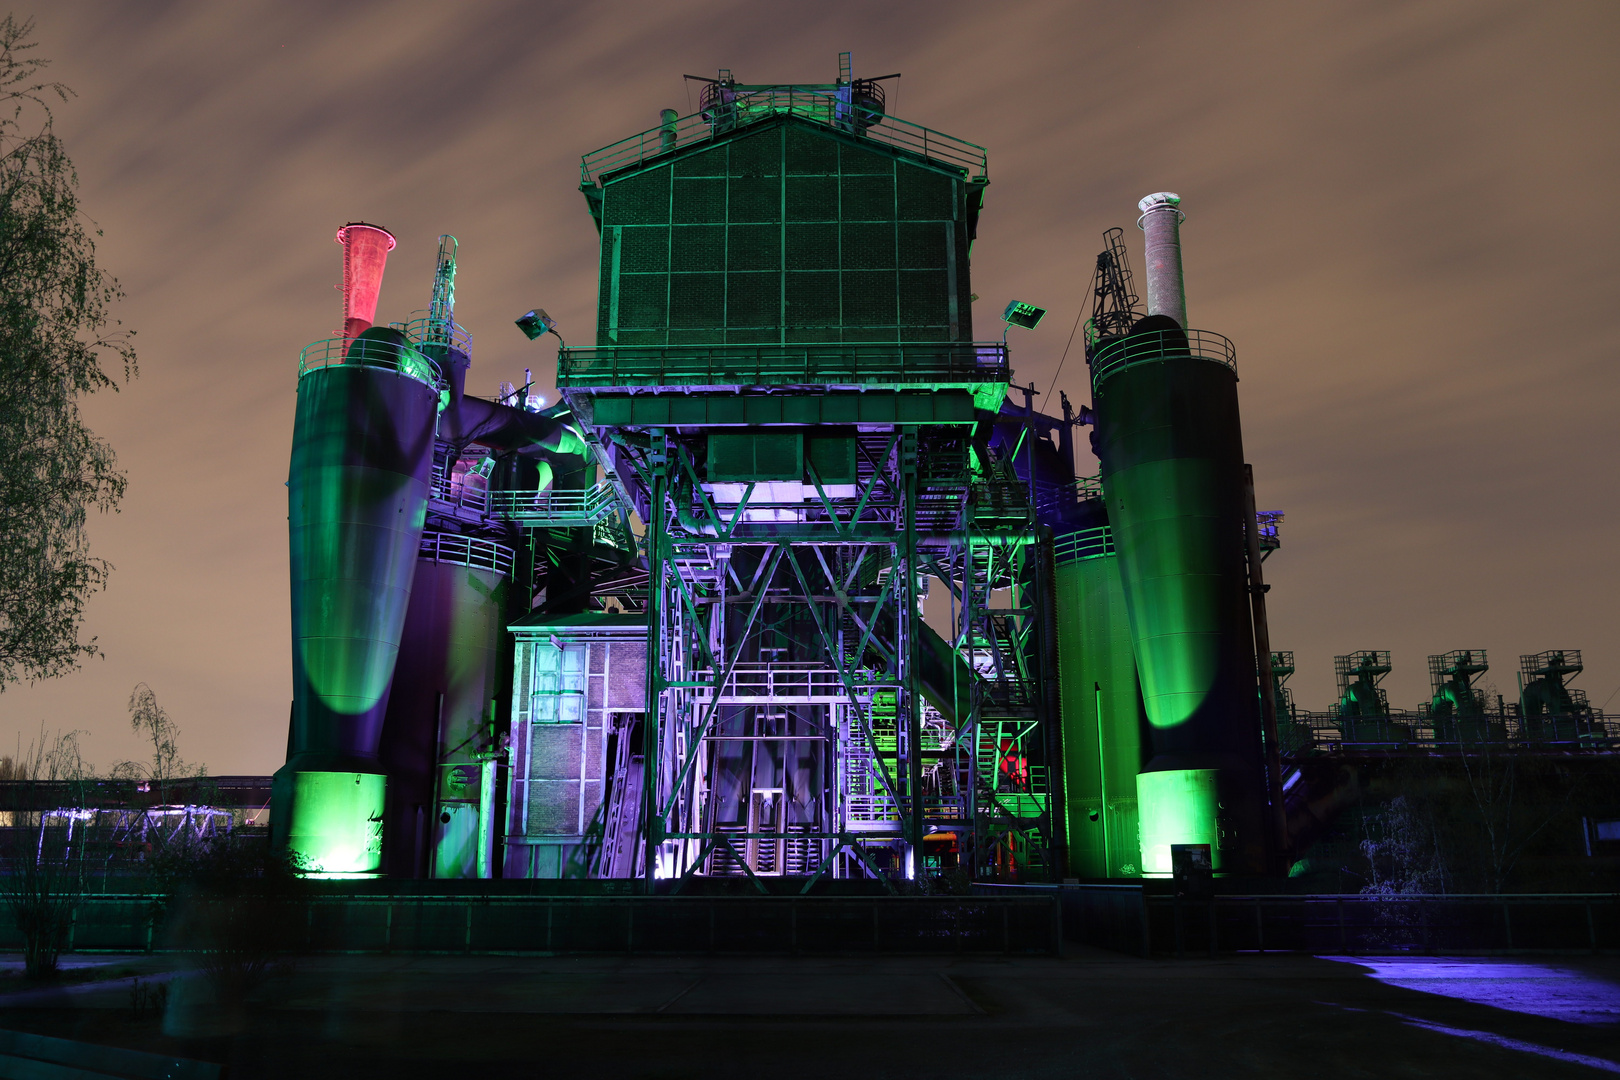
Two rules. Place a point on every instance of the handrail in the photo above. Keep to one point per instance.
(559, 509)
(470, 551)
(1117, 354)
(1418, 731)
(423, 329)
(818, 363)
(1089, 543)
(579, 507)
(368, 353)
(746, 108)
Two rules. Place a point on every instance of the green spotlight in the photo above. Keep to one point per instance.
(1019, 313)
(336, 825)
(537, 322)
(1177, 806)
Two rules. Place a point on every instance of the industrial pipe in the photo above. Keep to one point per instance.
(365, 255)
(1161, 227)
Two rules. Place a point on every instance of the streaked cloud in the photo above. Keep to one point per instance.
(1397, 211)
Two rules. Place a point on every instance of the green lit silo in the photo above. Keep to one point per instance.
(1169, 440)
(357, 495)
(1101, 706)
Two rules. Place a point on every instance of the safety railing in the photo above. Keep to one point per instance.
(1133, 349)
(505, 925)
(368, 353)
(1144, 921)
(1493, 731)
(773, 682)
(470, 551)
(1270, 522)
(553, 509)
(746, 108)
(1084, 544)
(466, 492)
(853, 363)
(423, 329)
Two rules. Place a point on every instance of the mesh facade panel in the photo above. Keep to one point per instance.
(785, 234)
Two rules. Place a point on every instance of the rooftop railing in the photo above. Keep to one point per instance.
(368, 353)
(423, 329)
(823, 108)
(1133, 349)
(1417, 731)
(818, 364)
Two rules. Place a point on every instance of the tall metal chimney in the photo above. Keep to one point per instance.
(1161, 225)
(365, 253)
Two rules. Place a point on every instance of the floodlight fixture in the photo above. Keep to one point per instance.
(537, 322)
(1019, 313)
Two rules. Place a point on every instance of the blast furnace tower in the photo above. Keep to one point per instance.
(786, 386)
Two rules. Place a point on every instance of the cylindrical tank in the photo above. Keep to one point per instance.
(1172, 471)
(357, 497)
(1102, 706)
(436, 732)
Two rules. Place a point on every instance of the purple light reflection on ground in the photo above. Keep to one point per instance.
(1559, 993)
(1506, 1043)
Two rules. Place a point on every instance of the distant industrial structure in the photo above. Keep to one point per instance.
(795, 580)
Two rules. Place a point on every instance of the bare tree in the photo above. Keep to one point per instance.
(151, 721)
(1402, 848)
(44, 870)
(1513, 803)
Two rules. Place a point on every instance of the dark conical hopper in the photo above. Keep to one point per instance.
(357, 496)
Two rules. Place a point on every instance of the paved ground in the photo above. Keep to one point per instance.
(1091, 1013)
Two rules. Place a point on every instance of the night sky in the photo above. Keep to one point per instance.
(1399, 212)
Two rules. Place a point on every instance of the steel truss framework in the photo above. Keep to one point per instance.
(804, 719)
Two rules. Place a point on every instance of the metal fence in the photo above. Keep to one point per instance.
(1127, 918)
(466, 551)
(369, 353)
(748, 106)
(626, 925)
(850, 363)
(1120, 353)
(1496, 731)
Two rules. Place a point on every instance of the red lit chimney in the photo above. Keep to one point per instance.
(365, 253)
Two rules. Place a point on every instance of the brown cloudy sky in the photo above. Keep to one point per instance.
(1400, 212)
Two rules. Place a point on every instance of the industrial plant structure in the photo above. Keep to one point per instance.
(796, 580)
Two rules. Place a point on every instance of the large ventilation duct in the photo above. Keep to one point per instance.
(1170, 444)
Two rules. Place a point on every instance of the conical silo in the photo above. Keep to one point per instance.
(357, 496)
(1172, 471)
